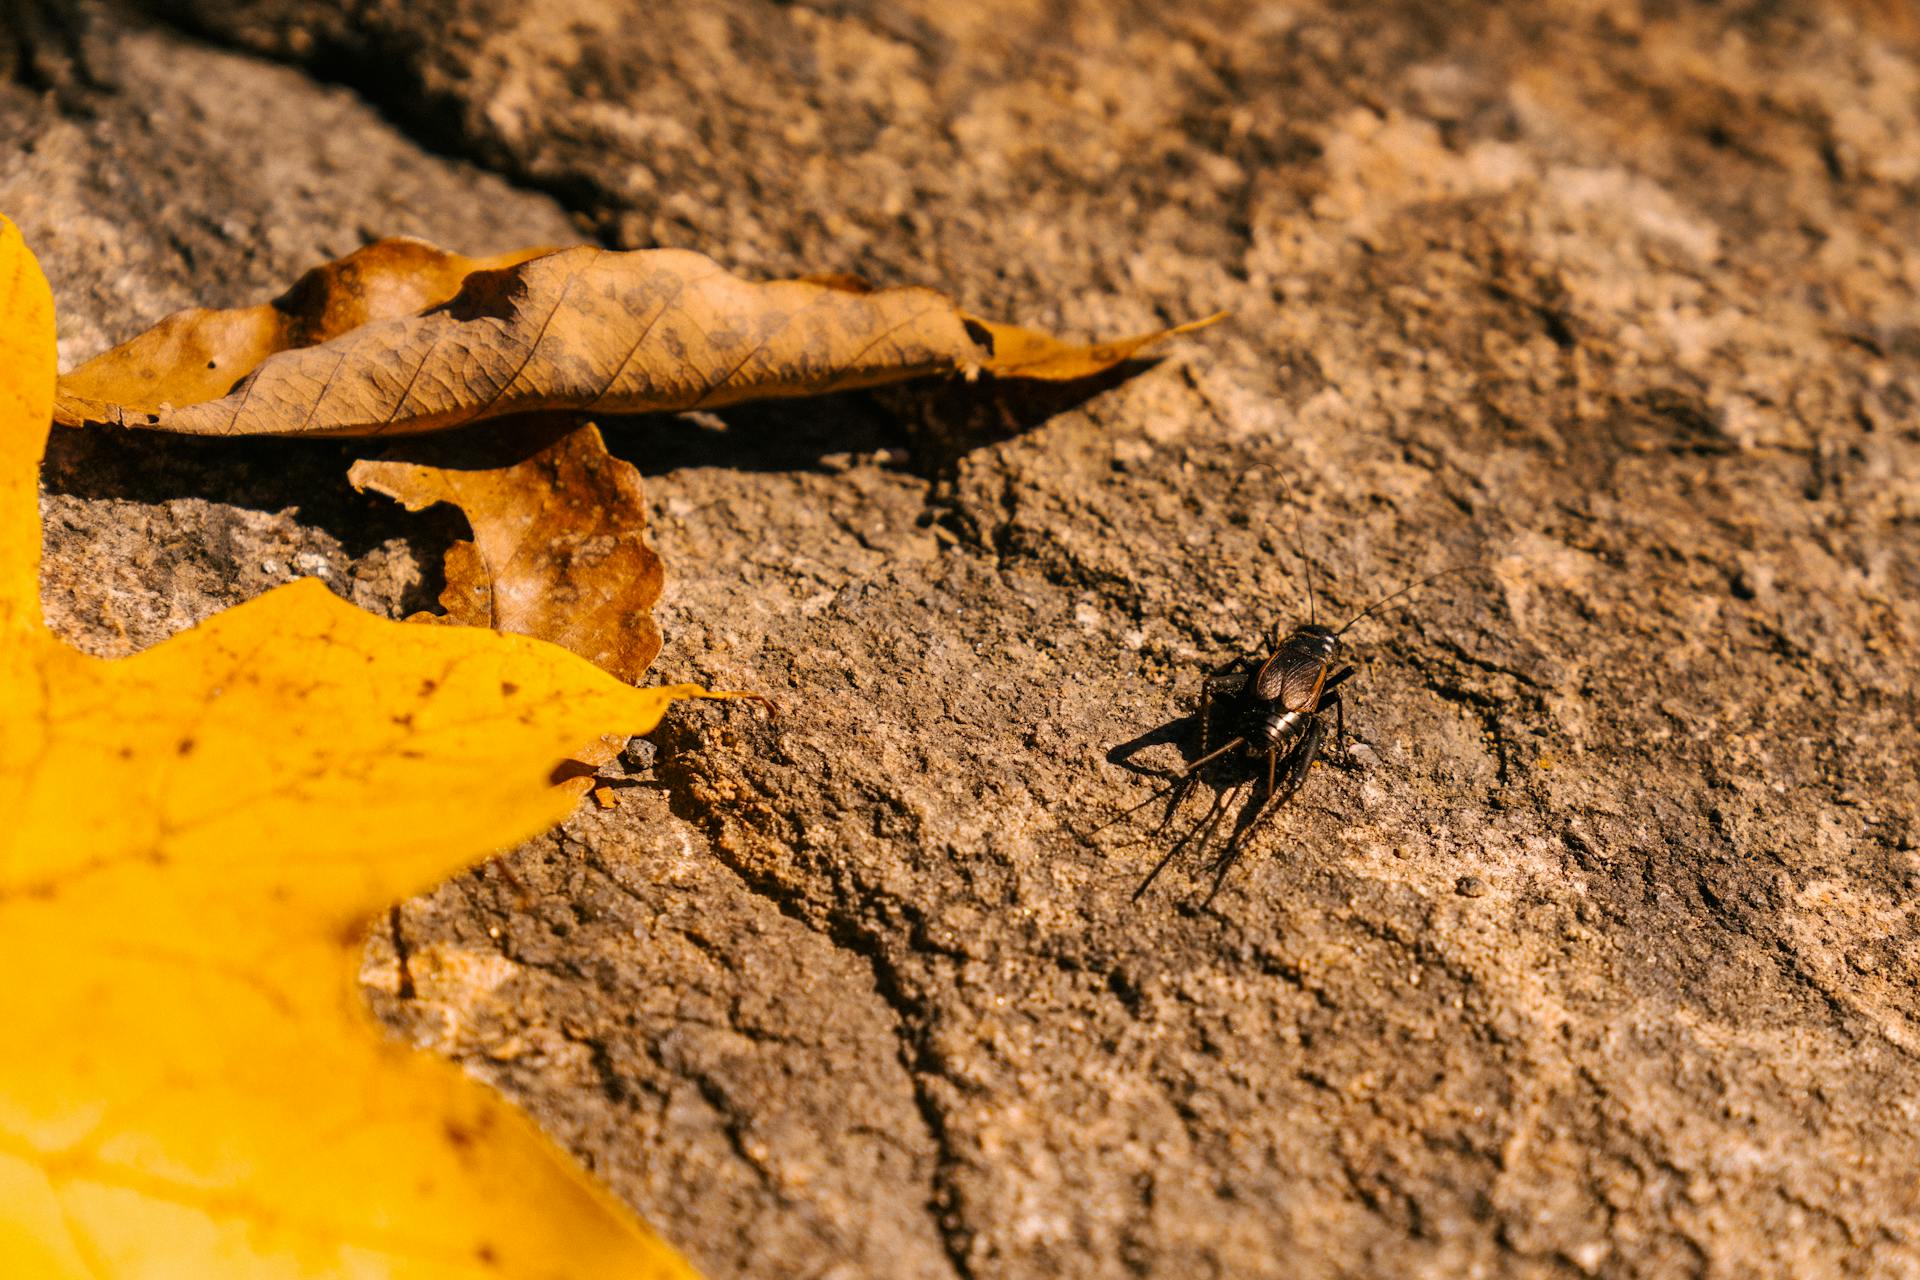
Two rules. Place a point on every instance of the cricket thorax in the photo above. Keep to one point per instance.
(1290, 680)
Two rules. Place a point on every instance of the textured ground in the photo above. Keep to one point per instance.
(1606, 961)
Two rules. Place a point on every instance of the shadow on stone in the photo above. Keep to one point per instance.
(306, 477)
(924, 427)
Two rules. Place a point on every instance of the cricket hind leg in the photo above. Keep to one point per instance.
(1224, 683)
(1228, 680)
(1175, 791)
(1221, 682)
(1203, 828)
(1269, 802)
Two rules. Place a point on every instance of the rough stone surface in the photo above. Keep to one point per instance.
(1601, 961)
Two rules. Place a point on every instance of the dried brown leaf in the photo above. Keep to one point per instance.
(1028, 353)
(590, 330)
(197, 355)
(559, 546)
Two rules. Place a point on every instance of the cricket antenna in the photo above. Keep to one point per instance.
(1389, 599)
(1300, 545)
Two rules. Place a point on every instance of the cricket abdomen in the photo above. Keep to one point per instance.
(1274, 726)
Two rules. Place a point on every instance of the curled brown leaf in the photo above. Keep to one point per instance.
(589, 330)
(559, 546)
(197, 355)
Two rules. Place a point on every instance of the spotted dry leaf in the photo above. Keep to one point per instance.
(594, 331)
(559, 546)
(197, 355)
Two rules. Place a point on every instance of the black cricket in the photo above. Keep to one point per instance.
(1276, 707)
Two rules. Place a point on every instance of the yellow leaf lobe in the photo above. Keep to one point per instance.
(189, 1082)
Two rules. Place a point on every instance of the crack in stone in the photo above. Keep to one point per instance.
(909, 1014)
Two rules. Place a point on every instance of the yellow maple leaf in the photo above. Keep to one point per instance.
(193, 839)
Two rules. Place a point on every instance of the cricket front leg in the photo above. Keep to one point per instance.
(1330, 698)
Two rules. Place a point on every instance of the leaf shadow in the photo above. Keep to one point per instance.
(307, 478)
(925, 427)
